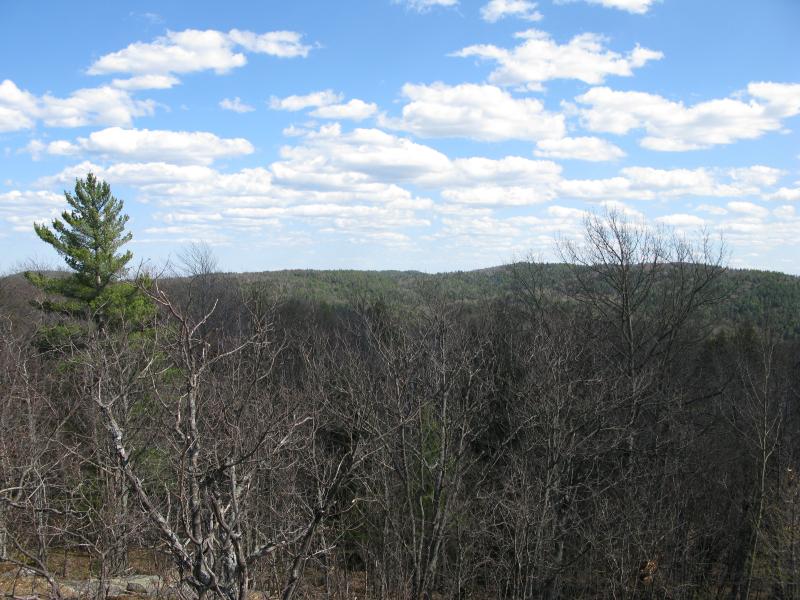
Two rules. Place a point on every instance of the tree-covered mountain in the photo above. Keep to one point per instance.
(763, 298)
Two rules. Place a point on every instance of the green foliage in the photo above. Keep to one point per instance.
(89, 238)
(51, 338)
(123, 303)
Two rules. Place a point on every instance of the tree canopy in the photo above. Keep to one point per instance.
(89, 237)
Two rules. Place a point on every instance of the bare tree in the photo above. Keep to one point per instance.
(228, 429)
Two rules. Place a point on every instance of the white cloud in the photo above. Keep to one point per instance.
(236, 105)
(621, 207)
(681, 220)
(329, 158)
(753, 231)
(757, 175)
(21, 209)
(509, 181)
(487, 239)
(712, 209)
(369, 161)
(372, 186)
(35, 148)
(495, 10)
(328, 105)
(482, 112)
(197, 147)
(146, 82)
(59, 148)
(639, 7)
(647, 183)
(314, 99)
(344, 182)
(176, 52)
(93, 106)
(193, 50)
(17, 107)
(140, 175)
(508, 170)
(672, 126)
(748, 208)
(103, 105)
(283, 44)
(425, 5)
(786, 194)
(580, 148)
(355, 109)
(496, 195)
(539, 58)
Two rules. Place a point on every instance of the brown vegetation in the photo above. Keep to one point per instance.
(606, 441)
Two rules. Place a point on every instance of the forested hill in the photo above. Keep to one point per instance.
(526, 431)
(764, 298)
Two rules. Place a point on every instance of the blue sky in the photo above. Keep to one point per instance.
(403, 134)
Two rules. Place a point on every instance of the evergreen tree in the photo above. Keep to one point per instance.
(89, 238)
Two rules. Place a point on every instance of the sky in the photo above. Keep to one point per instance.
(433, 135)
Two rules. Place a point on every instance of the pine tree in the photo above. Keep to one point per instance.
(89, 238)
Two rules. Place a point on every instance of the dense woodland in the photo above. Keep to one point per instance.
(622, 425)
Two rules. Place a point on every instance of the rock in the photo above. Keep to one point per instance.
(144, 584)
(68, 592)
(136, 588)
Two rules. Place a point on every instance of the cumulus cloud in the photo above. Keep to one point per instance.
(481, 112)
(488, 239)
(105, 105)
(283, 44)
(235, 105)
(495, 10)
(179, 147)
(539, 58)
(647, 183)
(342, 181)
(135, 174)
(712, 209)
(748, 208)
(327, 104)
(496, 195)
(194, 50)
(93, 106)
(370, 160)
(786, 194)
(58, 148)
(373, 186)
(17, 107)
(331, 158)
(639, 7)
(22, 208)
(673, 126)
(314, 99)
(509, 181)
(425, 5)
(757, 175)
(146, 82)
(580, 148)
(355, 109)
(681, 220)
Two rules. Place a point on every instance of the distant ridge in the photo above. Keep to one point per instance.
(765, 298)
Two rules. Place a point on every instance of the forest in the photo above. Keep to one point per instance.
(622, 424)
